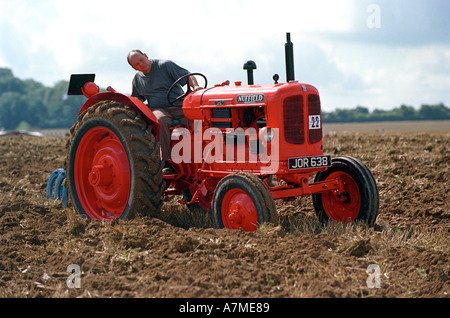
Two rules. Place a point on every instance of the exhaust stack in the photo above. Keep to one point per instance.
(250, 66)
(289, 51)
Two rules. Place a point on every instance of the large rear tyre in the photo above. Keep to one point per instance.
(242, 201)
(113, 164)
(360, 201)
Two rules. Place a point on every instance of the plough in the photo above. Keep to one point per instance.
(56, 180)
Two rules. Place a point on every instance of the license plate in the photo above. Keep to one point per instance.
(309, 162)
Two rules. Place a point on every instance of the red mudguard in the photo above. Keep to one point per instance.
(134, 102)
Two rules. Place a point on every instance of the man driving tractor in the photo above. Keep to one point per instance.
(151, 83)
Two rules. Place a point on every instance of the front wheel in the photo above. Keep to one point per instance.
(113, 165)
(242, 200)
(360, 199)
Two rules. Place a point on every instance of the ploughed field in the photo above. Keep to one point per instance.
(47, 250)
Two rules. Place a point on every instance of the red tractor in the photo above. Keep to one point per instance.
(244, 147)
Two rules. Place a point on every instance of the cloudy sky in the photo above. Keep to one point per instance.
(377, 53)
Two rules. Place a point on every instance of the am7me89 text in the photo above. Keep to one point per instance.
(233, 307)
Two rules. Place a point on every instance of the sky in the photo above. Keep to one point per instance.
(379, 54)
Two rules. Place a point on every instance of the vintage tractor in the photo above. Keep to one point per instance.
(244, 146)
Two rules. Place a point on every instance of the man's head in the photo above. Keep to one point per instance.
(139, 61)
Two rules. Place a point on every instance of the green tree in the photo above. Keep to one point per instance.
(30, 102)
(361, 114)
(404, 112)
(8, 83)
(12, 110)
(439, 111)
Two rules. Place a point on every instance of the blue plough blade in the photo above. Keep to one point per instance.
(56, 179)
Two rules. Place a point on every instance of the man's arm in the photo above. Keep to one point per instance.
(135, 91)
(194, 84)
(177, 71)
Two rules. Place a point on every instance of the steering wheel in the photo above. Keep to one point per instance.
(189, 90)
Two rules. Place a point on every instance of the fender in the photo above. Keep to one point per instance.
(134, 102)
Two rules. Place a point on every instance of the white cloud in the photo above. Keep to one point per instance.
(427, 73)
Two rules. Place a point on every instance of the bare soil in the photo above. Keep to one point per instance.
(180, 254)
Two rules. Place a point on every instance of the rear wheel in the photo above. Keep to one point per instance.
(113, 165)
(360, 200)
(242, 200)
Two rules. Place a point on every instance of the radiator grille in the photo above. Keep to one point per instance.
(294, 128)
(315, 135)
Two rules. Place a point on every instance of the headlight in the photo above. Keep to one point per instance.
(266, 134)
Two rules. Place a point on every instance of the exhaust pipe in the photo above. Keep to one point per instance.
(250, 66)
(289, 51)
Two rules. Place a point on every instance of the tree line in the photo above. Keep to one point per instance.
(27, 104)
(404, 112)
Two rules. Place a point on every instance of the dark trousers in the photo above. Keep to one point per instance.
(165, 117)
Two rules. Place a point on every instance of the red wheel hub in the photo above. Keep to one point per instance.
(342, 206)
(239, 211)
(102, 174)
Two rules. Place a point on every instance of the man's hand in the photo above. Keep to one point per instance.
(194, 84)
